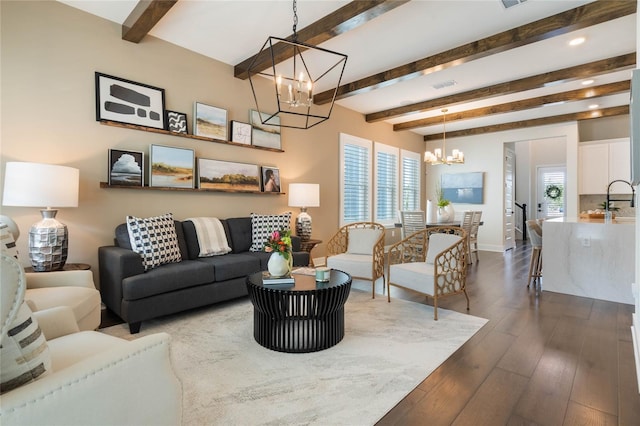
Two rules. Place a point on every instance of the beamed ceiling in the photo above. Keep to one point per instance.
(493, 68)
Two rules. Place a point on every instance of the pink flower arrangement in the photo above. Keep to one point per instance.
(280, 242)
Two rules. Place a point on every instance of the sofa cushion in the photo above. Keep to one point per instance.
(361, 241)
(232, 266)
(211, 236)
(167, 278)
(154, 239)
(438, 243)
(24, 355)
(123, 240)
(239, 233)
(416, 276)
(263, 225)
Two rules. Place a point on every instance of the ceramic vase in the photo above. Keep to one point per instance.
(452, 212)
(442, 214)
(278, 266)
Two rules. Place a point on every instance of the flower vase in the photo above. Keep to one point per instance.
(443, 214)
(452, 212)
(278, 266)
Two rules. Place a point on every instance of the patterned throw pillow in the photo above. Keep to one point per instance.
(8, 244)
(263, 225)
(24, 355)
(154, 239)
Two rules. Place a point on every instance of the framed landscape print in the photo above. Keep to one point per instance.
(240, 132)
(171, 167)
(210, 121)
(126, 168)
(129, 102)
(227, 175)
(177, 122)
(270, 179)
(264, 135)
(462, 187)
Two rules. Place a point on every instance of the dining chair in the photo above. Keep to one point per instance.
(412, 221)
(466, 224)
(473, 234)
(535, 264)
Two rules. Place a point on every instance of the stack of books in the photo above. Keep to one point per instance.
(267, 279)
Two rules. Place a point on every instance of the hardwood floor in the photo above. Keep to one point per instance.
(542, 359)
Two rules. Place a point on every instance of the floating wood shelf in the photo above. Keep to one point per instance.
(163, 188)
(183, 135)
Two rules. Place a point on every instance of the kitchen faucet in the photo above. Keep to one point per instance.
(633, 193)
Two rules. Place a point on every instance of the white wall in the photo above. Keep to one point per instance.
(484, 153)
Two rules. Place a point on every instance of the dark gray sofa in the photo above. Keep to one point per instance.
(136, 296)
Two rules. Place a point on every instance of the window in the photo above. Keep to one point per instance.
(386, 179)
(376, 181)
(355, 179)
(410, 180)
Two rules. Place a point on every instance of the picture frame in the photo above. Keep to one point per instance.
(240, 132)
(209, 121)
(271, 179)
(171, 167)
(465, 188)
(126, 168)
(177, 122)
(264, 135)
(228, 176)
(129, 102)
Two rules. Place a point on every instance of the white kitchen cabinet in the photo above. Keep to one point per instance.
(602, 162)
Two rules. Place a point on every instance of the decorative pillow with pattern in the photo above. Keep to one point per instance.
(154, 239)
(263, 225)
(8, 244)
(24, 355)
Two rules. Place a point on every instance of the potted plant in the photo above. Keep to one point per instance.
(445, 209)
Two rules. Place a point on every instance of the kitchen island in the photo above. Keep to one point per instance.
(589, 258)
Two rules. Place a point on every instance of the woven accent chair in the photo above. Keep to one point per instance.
(432, 262)
(358, 249)
(412, 221)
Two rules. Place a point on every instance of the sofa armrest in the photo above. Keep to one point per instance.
(116, 264)
(56, 322)
(138, 379)
(60, 279)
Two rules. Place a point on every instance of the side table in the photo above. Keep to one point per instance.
(66, 267)
(308, 246)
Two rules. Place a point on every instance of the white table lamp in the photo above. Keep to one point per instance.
(43, 185)
(304, 195)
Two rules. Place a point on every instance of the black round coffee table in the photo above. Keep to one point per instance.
(306, 316)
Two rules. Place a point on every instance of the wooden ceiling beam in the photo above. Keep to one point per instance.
(562, 23)
(521, 105)
(143, 18)
(342, 20)
(591, 69)
(578, 116)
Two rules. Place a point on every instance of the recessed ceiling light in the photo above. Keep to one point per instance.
(593, 106)
(587, 82)
(577, 41)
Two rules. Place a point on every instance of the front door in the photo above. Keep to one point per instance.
(550, 194)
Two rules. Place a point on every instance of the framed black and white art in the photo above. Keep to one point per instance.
(240, 132)
(129, 102)
(177, 122)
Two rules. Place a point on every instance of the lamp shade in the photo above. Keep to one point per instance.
(304, 195)
(40, 185)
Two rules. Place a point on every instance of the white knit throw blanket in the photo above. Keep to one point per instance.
(211, 236)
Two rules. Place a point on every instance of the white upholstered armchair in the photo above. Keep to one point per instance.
(63, 376)
(358, 249)
(432, 261)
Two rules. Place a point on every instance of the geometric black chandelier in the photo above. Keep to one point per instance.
(308, 69)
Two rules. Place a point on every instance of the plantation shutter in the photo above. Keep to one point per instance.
(386, 173)
(410, 176)
(356, 186)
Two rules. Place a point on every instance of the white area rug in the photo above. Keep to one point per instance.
(228, 379)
